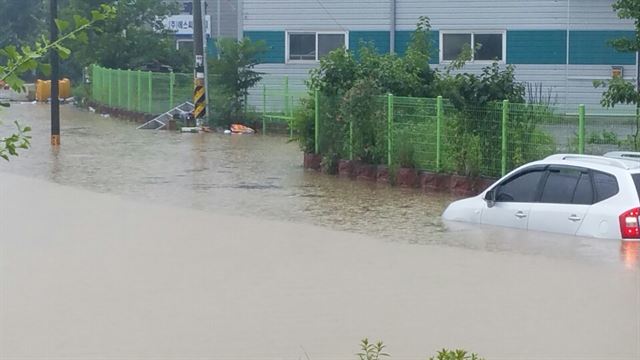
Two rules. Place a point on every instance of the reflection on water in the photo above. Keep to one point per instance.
(630, 254)
(259, 176)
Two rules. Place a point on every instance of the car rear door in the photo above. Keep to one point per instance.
(566, 196)
(514, 197)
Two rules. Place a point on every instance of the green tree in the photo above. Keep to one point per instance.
(133, 38)
(26, 58)
(617, 90)
(233, 75)
(21, 21)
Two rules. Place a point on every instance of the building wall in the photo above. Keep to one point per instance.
(260, 15)
(560, 44)
(228, 17)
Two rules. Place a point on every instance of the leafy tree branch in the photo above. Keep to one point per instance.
(19, 61)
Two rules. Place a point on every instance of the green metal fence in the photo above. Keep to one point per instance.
(156, 93)
(140, 91)
(434, 135)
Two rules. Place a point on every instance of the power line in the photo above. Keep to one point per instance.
(330, 15)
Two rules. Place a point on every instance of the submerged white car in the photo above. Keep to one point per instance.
(593, 196)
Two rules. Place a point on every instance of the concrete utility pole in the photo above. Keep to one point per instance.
(205, 47)
(55, 74)
(199, 94)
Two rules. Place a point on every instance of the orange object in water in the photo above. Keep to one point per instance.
(43, 89)
(241, 129)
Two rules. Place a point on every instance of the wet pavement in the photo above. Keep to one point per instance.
(212, 246)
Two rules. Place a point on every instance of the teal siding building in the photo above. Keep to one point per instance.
(560, 45)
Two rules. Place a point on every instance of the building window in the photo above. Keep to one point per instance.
(311, 46)
(489, 46)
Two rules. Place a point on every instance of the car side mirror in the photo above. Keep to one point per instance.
(490, 198)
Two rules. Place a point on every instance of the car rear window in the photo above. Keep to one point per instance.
(636, 180)
(606, 185)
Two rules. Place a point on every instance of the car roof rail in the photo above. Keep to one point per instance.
(627, 155)
(611, 161)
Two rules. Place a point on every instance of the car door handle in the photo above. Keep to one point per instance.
(575, 218)
(521, 215)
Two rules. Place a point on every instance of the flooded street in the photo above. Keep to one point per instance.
(128, 244)
(253, 176)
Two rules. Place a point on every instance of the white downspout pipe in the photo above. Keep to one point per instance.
(566, 68)
(392, 32)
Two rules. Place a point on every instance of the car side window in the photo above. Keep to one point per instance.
(520, 188)
(584, 191)
(606, 185)
(561, 185)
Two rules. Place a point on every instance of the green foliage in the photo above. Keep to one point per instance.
(628, 9)
(304, 125)
(617, 90)
(445, 354)
(352, 102)
(526, 142)
(21, 21)
(371, 351)
(406, 155)
(603, 137)
(409, 75)
(329, 163)
(376, 351)
(9, 145)
(25, 58)
(476, 131)
(361, 106)
(351, 86)
(17, 61)
(336, 74)
(467, 90)
(233, 73)
(129, 40)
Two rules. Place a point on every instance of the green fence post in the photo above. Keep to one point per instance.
(129, 90)
(94, 87)
(119, 87)
(389, 123)
(317, 121)
(264, 109)
(172, 80)
(581, 126)
(139, 97)
(110, 72)
(101, 87)
(438, 133)
(150, 88)
(505, 119)
(95, 83)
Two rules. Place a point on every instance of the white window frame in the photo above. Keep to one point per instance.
(316, 33)
(473, 33)
(178, 41)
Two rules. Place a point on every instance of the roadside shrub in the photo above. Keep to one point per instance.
(304, 125)
(445, 354)
(376, 351)
(361, 107)
(233, 75)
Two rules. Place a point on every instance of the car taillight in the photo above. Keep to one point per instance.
(629, 224)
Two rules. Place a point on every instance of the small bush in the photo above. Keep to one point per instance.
(371, 351)
(304, 125)
(445, 354)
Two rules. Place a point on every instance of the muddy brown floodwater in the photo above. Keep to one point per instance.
(127, 244)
